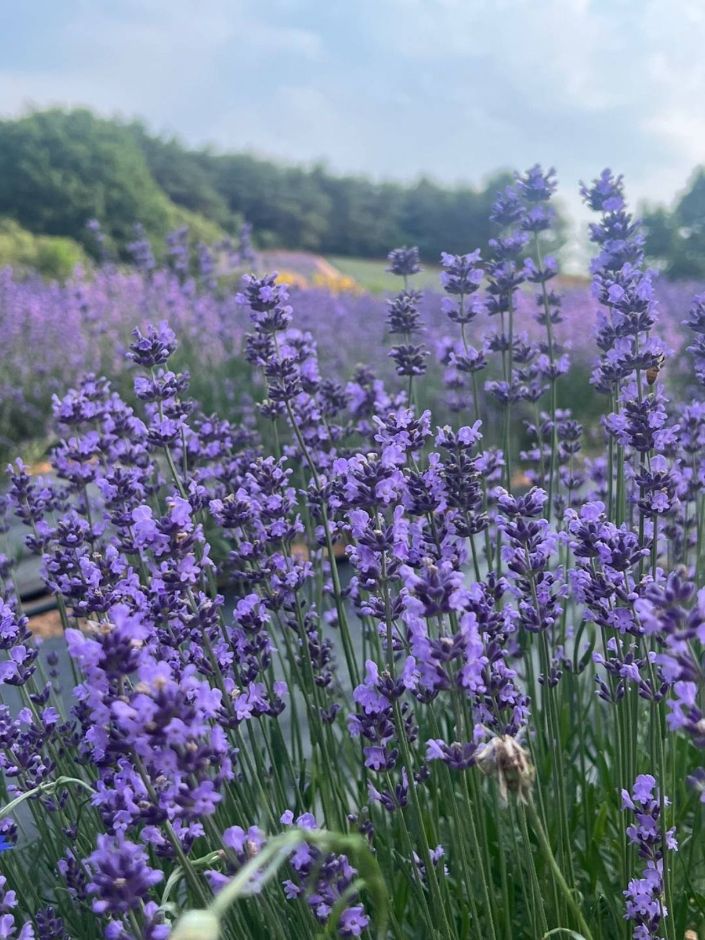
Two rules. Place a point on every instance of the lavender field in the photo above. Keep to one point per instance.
(53, 330)
(381, 616)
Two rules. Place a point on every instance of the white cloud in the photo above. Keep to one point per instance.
(155, 59)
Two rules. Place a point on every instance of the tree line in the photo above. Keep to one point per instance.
(60, 168)
(675, 236)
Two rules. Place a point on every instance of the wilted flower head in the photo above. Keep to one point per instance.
(510, 764)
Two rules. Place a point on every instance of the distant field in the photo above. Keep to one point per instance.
(372, 275)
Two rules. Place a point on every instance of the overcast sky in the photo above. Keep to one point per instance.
(392, 88)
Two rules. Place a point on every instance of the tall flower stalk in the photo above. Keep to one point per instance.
(346, 657)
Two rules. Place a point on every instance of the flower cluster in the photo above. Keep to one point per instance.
(445, 633)
(645, 895)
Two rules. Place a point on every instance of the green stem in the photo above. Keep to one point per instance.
(556, 870)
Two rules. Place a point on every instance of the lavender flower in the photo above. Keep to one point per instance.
(404, 261)
(283, 580)
(645, 895)
(121, 877)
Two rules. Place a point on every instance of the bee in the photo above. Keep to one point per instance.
(653, 370)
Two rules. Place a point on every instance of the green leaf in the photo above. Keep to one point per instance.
(48, 787)
(565, 931)
(260, 869)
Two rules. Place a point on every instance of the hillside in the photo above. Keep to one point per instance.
(58, 169)
(51, 255)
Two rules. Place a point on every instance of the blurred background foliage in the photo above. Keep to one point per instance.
(51, 255)
(676, 237)
(59, 168)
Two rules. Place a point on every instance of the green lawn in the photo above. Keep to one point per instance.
(372, 275)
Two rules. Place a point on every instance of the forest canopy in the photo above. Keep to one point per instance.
(60, 168)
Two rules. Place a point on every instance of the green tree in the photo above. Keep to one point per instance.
(58, 169)
(676, 238)
(186, 176)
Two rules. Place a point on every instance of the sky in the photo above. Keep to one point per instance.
(453, 89)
